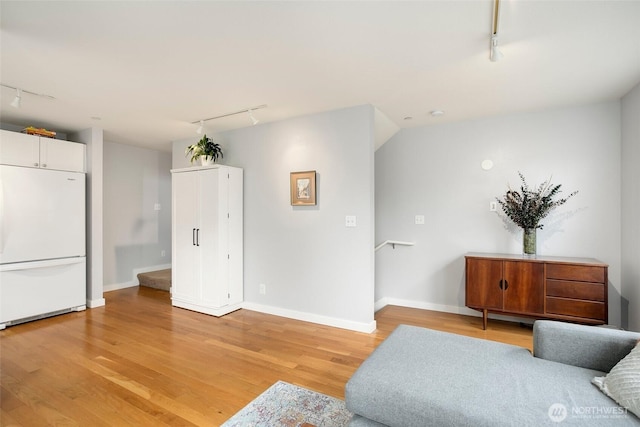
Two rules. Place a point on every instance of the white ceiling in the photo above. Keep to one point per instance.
(149, 68)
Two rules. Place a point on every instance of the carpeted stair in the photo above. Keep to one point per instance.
(160, 279)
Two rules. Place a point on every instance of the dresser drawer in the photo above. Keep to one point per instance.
(575, 308)
(576, 290)
(581, 273)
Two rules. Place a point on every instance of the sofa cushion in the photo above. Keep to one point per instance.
(422, 377)
(565, 343)
(622, 384)
(358, 421)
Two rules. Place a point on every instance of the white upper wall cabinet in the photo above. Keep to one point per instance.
(20, 149)
(62, 155)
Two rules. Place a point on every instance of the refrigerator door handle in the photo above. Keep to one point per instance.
(41, 264)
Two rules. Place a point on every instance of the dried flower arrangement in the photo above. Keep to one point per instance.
(527, 207)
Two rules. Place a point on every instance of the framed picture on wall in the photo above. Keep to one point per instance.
(303, 188)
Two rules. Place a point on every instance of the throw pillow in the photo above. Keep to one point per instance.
(622, 384)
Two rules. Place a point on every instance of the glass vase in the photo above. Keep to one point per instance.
(529, 241)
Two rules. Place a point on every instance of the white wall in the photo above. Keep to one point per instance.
(631, 206)
(135, 234)
(93, 138)
(314, 268)
(435, 171)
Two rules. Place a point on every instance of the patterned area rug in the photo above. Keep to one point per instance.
(287, 405)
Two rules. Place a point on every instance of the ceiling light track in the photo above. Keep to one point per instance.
(494, 53)
(17, 101)
(496, 16)
(246, 110)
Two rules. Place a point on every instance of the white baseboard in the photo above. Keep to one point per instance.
(134, 280)
(313, 318)
(116, 286)
(93, 303)
(382, 302)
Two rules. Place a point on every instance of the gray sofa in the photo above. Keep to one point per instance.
(421, 377)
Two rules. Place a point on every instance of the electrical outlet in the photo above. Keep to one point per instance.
(156, 207)
(263, 289)
(163, 253)
(493, 206)
(420, 219)
(350, 221)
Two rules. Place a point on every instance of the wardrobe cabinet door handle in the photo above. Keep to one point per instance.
(503, 284)
(198, 237)
(193, 237)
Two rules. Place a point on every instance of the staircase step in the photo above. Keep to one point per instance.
(160, 279)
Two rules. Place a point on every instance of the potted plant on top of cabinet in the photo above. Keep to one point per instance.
(206, 150)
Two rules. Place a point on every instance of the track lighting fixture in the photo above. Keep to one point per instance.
(253, 119)
(199, 130)
(17, 101)
(246, 110)
(494, 53)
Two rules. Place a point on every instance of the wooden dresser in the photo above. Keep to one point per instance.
(570, 289)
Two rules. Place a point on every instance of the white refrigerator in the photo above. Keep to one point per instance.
(42, 243)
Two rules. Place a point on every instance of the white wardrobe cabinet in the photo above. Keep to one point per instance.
(33, 151)
(207, 246)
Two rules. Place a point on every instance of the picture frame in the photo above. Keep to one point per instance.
(303, 188)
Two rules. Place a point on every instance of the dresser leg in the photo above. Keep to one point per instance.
(484, 319)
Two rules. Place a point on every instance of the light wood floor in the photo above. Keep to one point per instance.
(139, 361)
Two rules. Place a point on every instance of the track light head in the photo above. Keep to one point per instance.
(199, 130)
(17, 101)
(253, 119)
(496, 55)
